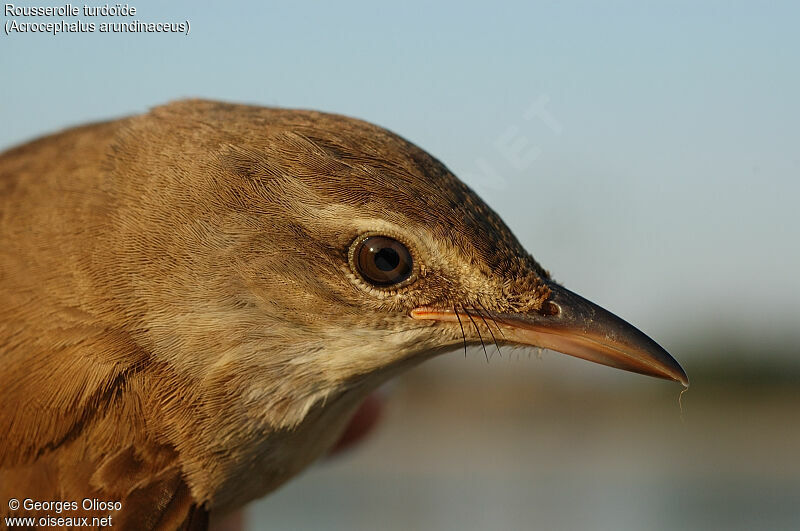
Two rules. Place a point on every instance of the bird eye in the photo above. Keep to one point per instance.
(383, 261)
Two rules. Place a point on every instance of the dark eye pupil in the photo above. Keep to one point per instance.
(382, 261)
(387, 259)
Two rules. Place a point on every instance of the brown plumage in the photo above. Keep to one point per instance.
(183, 328)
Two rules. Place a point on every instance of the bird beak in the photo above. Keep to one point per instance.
(570, 324)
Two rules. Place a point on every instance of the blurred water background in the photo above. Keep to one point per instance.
(646, 153)
(554, 443)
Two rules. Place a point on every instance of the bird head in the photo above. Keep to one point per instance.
(310, 253)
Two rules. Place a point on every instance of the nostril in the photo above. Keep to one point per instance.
(550, 308)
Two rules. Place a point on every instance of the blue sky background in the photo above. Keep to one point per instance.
(662, 183)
